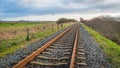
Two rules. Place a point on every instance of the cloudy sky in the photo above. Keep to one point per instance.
(54, 9)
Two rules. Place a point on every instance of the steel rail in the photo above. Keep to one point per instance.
(22, 63)
(72, 62)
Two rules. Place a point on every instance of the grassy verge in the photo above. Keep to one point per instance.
(111, 49)
(10, 46)
(21, 24)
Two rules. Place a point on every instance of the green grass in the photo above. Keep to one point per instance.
(2, 25)
(10, 46)
(110, 48)
(21, 25)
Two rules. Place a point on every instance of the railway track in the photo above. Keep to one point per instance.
(64, 51)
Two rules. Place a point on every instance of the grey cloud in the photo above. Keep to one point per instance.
(89, 6)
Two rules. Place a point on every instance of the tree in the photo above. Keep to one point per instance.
(65, 20)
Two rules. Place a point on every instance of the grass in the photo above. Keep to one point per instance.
(106, 26)
(22, 25)
(11, 45)
(19, 24)
(110, 48)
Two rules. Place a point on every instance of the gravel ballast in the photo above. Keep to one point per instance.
(12, 59)
(94, 54)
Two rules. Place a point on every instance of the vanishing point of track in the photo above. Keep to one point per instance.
(63, 51)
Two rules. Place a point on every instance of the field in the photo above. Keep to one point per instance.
(16, 35)
(109, 27)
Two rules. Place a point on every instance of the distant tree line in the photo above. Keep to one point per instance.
(65, 20)
(107, 26)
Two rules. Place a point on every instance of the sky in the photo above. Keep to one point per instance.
(52, 10)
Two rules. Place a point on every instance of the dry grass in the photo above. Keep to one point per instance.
(9, 45)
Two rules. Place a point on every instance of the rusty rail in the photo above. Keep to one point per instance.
(23, 62)
(74, 51)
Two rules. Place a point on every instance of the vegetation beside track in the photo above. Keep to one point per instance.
(110, 48)
(107, 26)
(8, 46)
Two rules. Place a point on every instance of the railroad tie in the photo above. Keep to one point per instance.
(48, 64)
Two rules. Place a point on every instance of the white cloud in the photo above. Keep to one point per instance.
(68, 8)
(40, 3)
(70, 4)
(56, 17)
(112, 1)
(50, 3)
